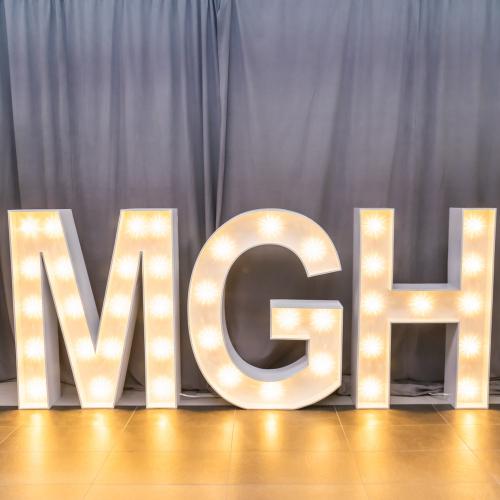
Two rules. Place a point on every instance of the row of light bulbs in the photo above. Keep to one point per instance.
(101, 388)
(160, 307)
(421, 303)
(376, 224)
(137, 226)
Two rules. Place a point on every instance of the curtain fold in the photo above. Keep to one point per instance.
(215, 107)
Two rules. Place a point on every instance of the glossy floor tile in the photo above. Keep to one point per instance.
(301, 467)
(158, 492)
(226, 453)
(423, 466)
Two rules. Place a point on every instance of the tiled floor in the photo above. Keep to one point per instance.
(420, 452)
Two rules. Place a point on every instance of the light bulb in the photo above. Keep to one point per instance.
(373, 265)
(52, 227)
(322, 364)
(288, 318)
(210, 338)
(374, 225)
(32, 307)
(112, 348)
(468, 388)
(127, 267)
(371, 388)
(101, 388)
(159, 225)
(29, 226)
(270, 225)
(160, 267)
(372, 347)
(119, 306)
(206, 292)
(64, 268)
(85, 349)
(469, 346)
(223, 248)
(322, 319)
(73, 307)
(373, 303)
(421, 304)
(161, 306)
(229, 376)
(162, 387)
(314, 249)
(36, 388)
(472, 265)
(271, 390)
(474, 225)
(136, 226)
(34, 348)
(470, 303)
(31, 268)
(162, 348)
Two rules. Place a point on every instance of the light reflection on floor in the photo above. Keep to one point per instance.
(405, 452)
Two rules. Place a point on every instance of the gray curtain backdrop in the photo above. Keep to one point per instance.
(217, 106)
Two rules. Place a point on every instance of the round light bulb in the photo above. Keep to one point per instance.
(270, 225)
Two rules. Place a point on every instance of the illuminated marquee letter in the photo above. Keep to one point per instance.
(304, 382)
(47, 261)
(464, 303)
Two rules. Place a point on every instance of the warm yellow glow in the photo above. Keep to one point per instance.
(210, 338)
(162, 387)
(470, 303)
(29, 226)
(206, 292)
(222, 248)
(161, 306)
(468, 388)
(64, 269)
(127, 267)
(73, 307)
(373, 303)
(160, 267)
(472, 265)
(371, 388)
(373, 265)
(34, 348)
(271, 426)
(271, 390)
(229, 376)
(119, 305)
(421, 304)
(374, 225)
(288, 318)
(36, 388)
(136, 226)
(270, 225)
(162, 348)
(101, 388)
(32, 307)
(112, 348)
(372, 347)
(322, 320)
(31, 268)
(470, 346)
(474, 225)
(85, 348)
(322, 364)
(53, 228)
(314, 249)
(159, 225)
